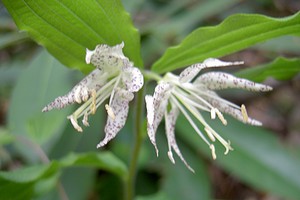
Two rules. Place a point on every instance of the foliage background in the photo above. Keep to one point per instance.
(57, 162)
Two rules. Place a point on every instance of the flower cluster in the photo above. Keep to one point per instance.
(114, 78)
(190, 94)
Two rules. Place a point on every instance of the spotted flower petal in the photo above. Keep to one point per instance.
(80, 92)
(117, 115)
(170, 119)
(157, 105)
(191, 72)
(191, 97)
(114, 79)
(105, 56)
(132, 78)
(219, 80)
(231, 109)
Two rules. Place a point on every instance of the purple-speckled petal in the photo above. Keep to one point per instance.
(132, 78)
(106, 57)
(220, 80)
(191, 72)
(156, 107)
(120, 107)
(80, 92)
(234, 112)
(170, 119)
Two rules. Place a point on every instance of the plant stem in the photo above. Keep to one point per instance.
(130, 184)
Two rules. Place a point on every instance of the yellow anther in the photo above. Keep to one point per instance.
(244, 113)
(110, 111)
(221, 117)
(210, 134)
(93, 104)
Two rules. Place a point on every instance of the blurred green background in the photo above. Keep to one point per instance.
(265, 163)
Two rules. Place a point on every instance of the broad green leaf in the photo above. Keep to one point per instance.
(281, 69)
(176, 20)
(20, 184)
(32, 92)
(182, 23)
(235, 33)
(258, 159)
(27, 182)
(66, 28)
(103, 160)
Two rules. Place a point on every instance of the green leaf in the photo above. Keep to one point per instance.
(32, 92)
(26, 182)
(20, 184)
(281, 69)
(258, 159)
(66, 28)
(235, 33)
(103, 160)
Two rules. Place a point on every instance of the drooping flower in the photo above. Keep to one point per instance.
(114, 78)
(190, 94)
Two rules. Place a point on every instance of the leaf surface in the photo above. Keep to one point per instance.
(258, 158)
(235, 33)
(281, 69)
(66, 28)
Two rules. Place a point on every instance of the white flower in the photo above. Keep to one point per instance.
(114, 78)
(183, 93)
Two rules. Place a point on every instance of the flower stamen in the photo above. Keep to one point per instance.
(209, 133)
(244, 113)
(221, 117)
(75, 123)
(213, 151)
(93, 104)
(213, 113)
(110, 112)
(85, 119)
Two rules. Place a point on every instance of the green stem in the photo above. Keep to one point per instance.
(149, 75)
(130, 184)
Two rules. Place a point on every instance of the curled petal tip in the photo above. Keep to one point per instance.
(122, 44)
(238, 63)
(88, 56)
(156, 150)
(269, 88)
(102, 144)
(170, 155)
